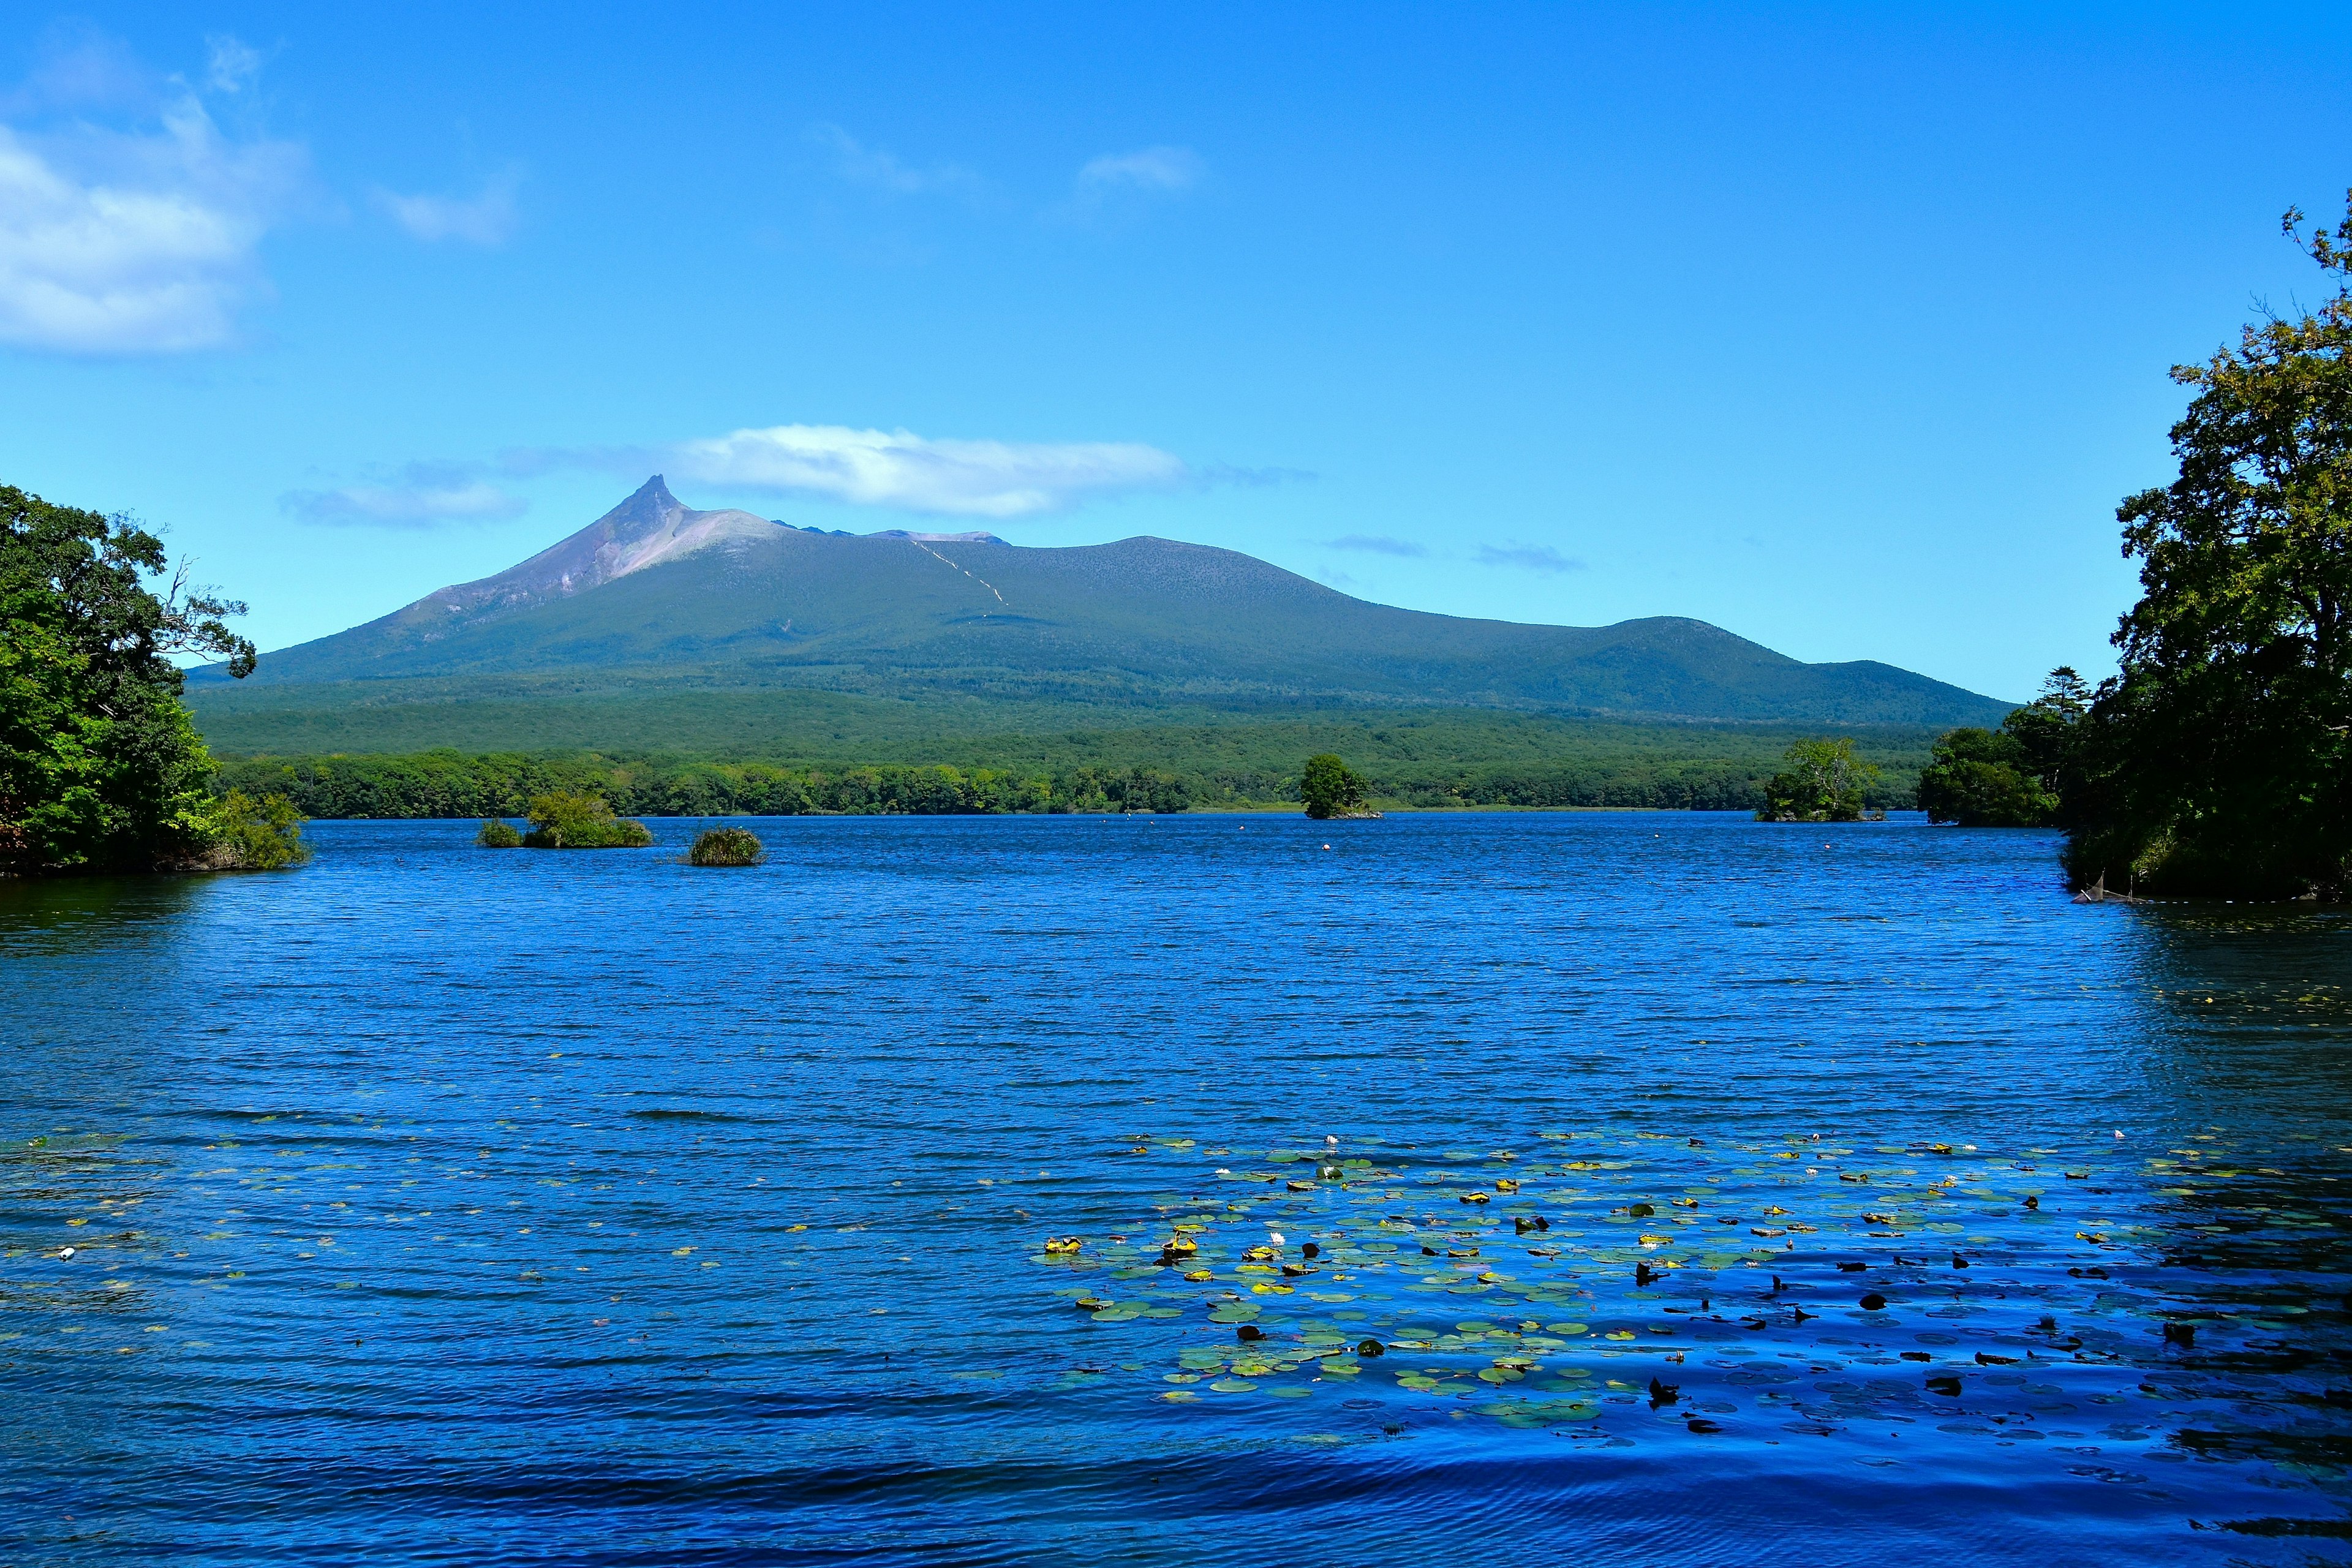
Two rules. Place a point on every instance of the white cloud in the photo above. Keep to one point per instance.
(882, 170)
(232, 66)
(1151, 169)
(899, 468)
(135, 242)
(423, 495)
(486, 219)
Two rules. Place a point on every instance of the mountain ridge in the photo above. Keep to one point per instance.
(656, 591)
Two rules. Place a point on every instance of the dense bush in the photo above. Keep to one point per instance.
(497, 833)
(566, 821)
(252, 833)
(726, 847)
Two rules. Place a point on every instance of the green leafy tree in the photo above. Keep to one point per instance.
(100, 766)
(2216, 760)
(1824, 782)
(1329, 788)
(565, 821)
(497, 833)
(1984, 778)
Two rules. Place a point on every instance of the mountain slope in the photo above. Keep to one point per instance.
(655, 593)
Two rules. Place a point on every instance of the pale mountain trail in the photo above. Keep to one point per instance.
(944, 561)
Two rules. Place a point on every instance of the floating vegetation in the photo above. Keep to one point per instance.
(1811, 1287)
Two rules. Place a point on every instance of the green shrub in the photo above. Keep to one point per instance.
(563, 821)
(726, 847)
(254, 833)
(498, 833)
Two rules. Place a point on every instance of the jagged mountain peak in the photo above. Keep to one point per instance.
(650, 527)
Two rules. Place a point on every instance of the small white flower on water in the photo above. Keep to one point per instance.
(68, 1252)
(2119, 1131)
(1275, 1237)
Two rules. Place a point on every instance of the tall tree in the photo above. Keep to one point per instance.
(2216, 760)
(99, 765)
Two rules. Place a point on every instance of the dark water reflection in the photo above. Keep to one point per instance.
(433, 1205)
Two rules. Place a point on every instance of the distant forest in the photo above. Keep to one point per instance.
(448, 783)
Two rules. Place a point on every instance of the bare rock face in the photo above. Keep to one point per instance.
(649, 528)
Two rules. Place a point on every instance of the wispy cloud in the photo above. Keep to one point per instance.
(139, 235)
(1376, 544)
(881, 171)
(486, 219)
(232, 64)
(900, 469)
(1153, 169)
(420, 496)
(1540, 558)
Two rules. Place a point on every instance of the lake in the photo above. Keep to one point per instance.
(1682, 1190)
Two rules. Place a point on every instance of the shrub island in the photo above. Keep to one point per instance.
(560, 821)
(726, 847)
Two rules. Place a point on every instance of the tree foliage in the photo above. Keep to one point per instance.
(2216, 760)
(2008, 777)
(100, 766)
(1824, 782)
(1329, 788)
(256, 833)
(561, 820)
(454, 784)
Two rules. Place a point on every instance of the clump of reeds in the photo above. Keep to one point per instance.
(726, 847)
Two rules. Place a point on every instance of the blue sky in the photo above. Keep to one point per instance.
(1844, 328)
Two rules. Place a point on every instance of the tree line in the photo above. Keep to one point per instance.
(451, 784)
(455, 784)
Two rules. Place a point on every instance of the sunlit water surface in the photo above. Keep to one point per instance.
(1702, 1191)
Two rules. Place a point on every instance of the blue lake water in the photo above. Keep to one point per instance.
(1668, 1177)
